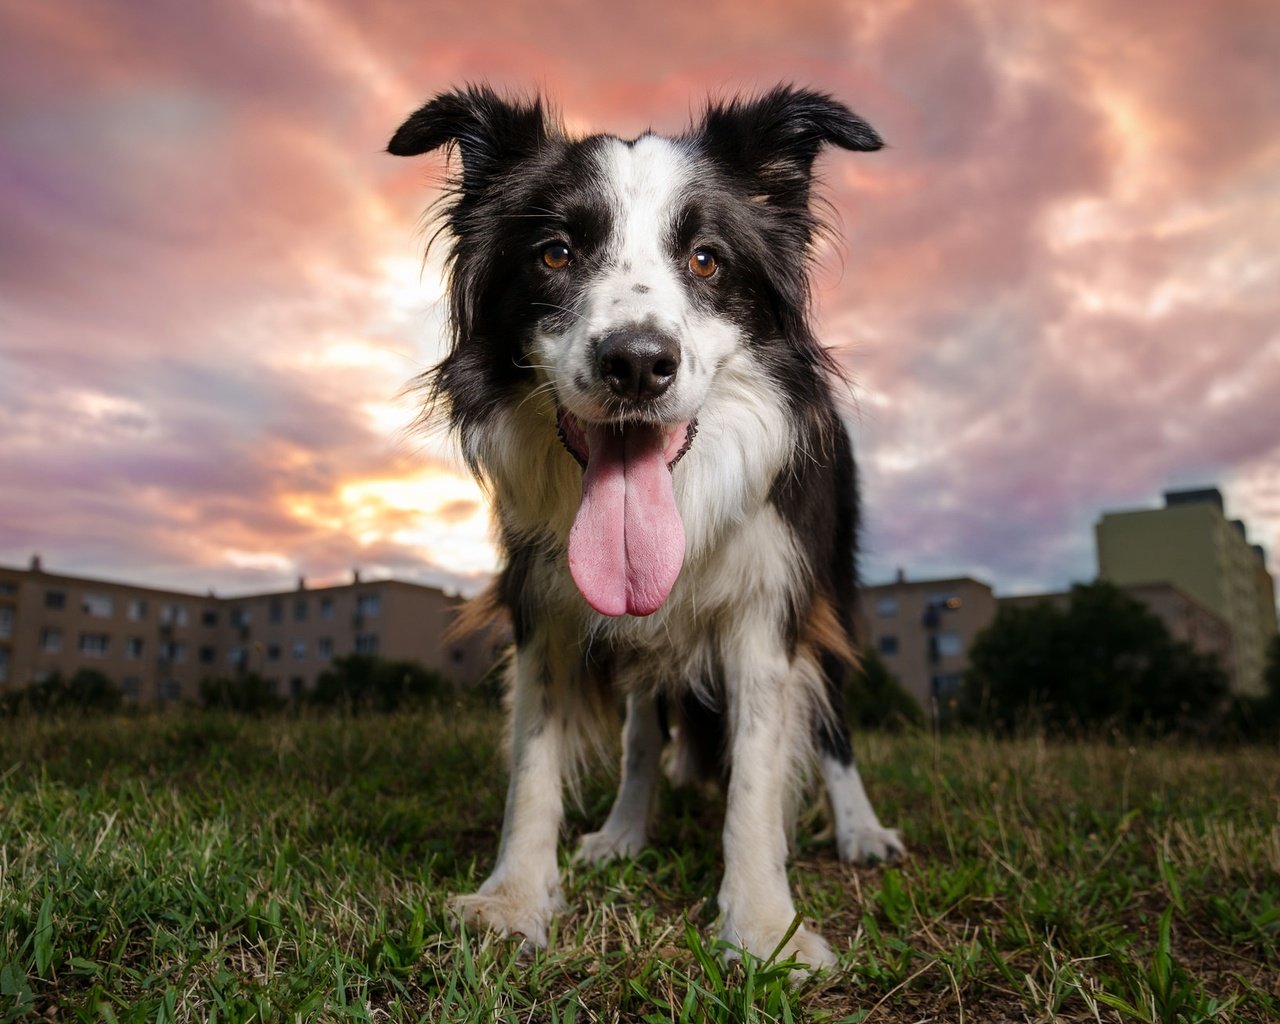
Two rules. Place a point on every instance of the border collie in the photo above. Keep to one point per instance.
(633, 377)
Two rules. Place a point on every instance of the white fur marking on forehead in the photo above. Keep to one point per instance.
(645, 180)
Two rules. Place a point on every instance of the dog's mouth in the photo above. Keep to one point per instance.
(626, 546)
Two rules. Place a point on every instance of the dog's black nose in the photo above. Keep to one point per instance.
(637, 364)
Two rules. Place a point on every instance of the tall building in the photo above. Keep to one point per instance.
(160, 644)
(922, 630)
(1191, 544)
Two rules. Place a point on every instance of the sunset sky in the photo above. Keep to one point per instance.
(1058, 290)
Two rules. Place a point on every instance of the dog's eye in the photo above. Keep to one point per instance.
(702, 263)
(556, 255)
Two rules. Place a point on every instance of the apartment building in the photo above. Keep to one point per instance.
(1190, 544)
(922, 629)
(159, 644)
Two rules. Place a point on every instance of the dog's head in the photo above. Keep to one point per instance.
(624, 276)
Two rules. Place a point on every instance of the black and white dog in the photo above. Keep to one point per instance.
(633, 376)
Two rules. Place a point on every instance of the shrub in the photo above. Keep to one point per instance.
(88, 691)
(364, 682)
(876, 700)
(248, 694)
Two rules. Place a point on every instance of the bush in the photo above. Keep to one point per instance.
(876, 700)
(364, 682)
(1106, 661)
(247, 694)
(87, 692)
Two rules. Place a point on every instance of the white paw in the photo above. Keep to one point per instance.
(760, 940)
(510, 910)
(871, 846)
(606, 845)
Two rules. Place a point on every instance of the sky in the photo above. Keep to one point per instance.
(1056, 291)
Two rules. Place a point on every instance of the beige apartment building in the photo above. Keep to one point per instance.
(922, 630)
(160, 644)
(1190, 544)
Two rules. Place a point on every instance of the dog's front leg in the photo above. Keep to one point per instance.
(523, 892)
(768, 701)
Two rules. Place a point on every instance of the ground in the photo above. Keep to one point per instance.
(205, 867)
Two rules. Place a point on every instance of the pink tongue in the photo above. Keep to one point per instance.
(627, 543)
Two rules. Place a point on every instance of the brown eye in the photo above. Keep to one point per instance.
(556, 255)
(702, 263)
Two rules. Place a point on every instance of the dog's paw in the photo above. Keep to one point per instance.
(805, 946)
(606, 845)
(871, 846)
(509, 911)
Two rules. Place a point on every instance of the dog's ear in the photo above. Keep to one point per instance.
(772, 140)
(490, 132)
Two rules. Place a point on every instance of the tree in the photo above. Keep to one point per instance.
(1107, 660)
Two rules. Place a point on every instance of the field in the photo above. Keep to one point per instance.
(201, 867)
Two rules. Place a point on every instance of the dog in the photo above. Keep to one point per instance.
(633, 377)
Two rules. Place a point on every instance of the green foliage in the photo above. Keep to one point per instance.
(876, 700)
(87, 692)
(248, 694)
(1106, 661)
(365, 682)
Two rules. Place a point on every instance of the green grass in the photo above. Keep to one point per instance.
(200, 867)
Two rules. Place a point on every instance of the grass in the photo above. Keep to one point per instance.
(201, 867)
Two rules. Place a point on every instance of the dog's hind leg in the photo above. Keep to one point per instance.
(860, 838)
(523, 892)
(625, 831)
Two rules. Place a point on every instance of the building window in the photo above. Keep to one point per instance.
(366, 643)
(8, 589)
(240, 617)
(887, 607)
(55, 599)
(273, 652)
(4, 664)
(296, 685)
(944, 601)
(950, 645)
(131, 687)
(887, 645)
(6, 623)
(326, 609)
(133, 648)
(97, 605)
(209, 618)
(137, 610)
(169, 691)
(275, 611)
(238, 657)
(95, 645)
(51, 640)
(174, 652)
(173, 614)
(946, 683)
(299, 650)
(369, 604)
(324, 647)
(300, 610)
(208, 655)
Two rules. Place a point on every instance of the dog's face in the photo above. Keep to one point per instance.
(623, 276)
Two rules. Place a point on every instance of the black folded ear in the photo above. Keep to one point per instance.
(490, 132)
(772, 140)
